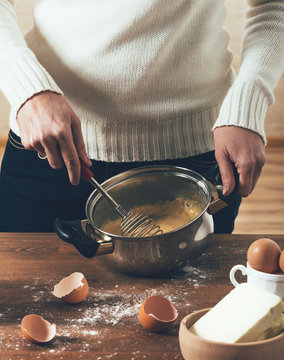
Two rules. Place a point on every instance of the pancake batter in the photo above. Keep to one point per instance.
(169, 215)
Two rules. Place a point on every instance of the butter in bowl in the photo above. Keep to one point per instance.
(247, 324)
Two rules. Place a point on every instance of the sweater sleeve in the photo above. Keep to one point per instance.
(262, 64)
(21, 75)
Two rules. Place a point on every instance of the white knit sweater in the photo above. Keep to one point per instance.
(148, 78)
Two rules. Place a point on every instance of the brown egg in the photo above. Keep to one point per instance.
(157, 313)
(281, 261)
(72, 289)
(263, 255)
(35, 329)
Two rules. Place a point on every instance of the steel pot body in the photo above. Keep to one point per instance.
(138, 187)
(158, 254)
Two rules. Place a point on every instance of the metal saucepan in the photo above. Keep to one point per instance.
(143, 186)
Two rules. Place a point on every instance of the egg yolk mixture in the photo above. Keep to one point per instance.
(169, 215)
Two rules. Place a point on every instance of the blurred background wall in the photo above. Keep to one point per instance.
(236, 14)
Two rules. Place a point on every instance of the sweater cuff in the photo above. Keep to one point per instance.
(22, 77)
(245, 105)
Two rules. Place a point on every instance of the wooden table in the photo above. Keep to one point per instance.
(105, 325)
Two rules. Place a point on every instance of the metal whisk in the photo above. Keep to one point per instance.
(132, 224)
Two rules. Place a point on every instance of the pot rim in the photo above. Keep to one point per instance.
(96, 195)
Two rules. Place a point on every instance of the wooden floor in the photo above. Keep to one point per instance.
(263, 211)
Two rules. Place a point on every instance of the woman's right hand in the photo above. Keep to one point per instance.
(49, 126)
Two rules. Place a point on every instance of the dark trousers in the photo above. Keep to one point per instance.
(32, 194)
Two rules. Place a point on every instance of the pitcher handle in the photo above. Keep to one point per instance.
(235, 268)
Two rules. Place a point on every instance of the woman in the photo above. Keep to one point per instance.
(128, 83)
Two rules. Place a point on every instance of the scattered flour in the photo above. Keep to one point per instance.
(102, 307)
(194, 273)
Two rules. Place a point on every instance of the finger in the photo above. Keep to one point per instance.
(37, 146)
(227, 174)
(25, 137)
(255, 178)
(24, 132)
(79, 141)
(258, 168)
(70, 157)
(35, 139)
(52, 152)
(40, 150)
(245, 183)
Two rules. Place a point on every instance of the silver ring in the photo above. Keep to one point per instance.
(42, 157)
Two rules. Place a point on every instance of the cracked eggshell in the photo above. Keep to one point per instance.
(37, 330)
(157, 313)
(72, 289)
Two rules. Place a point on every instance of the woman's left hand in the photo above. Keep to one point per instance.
(243, 149)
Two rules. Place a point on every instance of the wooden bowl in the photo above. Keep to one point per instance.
(194, 347)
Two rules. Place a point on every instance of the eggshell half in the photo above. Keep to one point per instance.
(35, 329)
(263, 255)
(157, 313)
(72, 289)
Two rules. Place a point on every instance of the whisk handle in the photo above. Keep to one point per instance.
(86, 173)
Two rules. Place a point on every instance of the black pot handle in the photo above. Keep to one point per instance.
(72, 233)
(214, 177)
